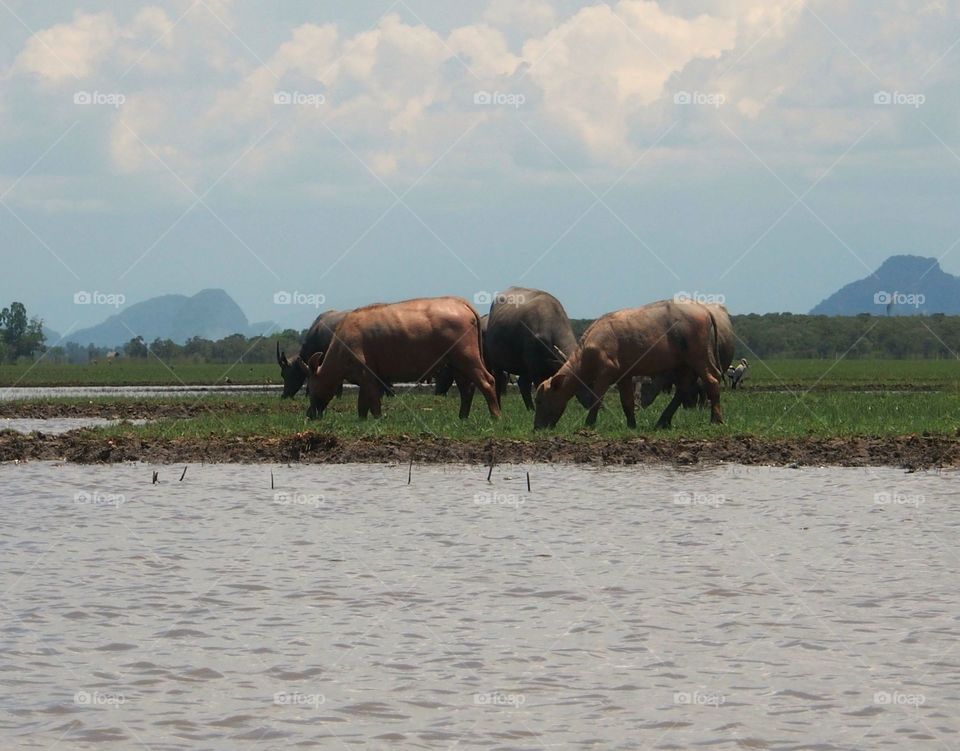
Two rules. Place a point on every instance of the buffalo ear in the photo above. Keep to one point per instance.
(315, 359)
(303, 366)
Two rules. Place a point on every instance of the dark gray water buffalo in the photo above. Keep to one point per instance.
(662, 337)
(651, 387)
(528, 334)
(318, 338)
(404, 341)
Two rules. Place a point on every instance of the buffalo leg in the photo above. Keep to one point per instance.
(712, 387)
(667, 417)
(369, 396)
(524, 384)
(467, 390)
(600, 387)
(363, 408)
(479, 376)
(500, 382)
(627, 401)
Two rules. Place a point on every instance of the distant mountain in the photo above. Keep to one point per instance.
(902, 286)
(211, 314)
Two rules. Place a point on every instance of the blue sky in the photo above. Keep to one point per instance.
(612, 153)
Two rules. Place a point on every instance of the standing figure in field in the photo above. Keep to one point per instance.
(318, 338)
(404, 341)
(529, 335)
(661, 337)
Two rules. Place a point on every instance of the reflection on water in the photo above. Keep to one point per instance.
(645, 608)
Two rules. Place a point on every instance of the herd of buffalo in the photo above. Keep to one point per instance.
(682, 347)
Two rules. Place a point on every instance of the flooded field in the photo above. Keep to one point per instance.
(727, 608)
(56, 425)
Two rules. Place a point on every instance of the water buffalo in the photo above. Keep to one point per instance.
(657, 338)
(318, 338)
(404, 341)
(444, 378)
(652, 386)
(528, 334)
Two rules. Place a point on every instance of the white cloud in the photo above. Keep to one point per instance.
(69, 50)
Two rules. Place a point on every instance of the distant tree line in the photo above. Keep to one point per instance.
(770, 335)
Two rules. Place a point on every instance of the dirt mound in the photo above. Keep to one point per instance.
(89, 447)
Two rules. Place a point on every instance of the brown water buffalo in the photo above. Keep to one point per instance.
(318, 338)
(444, 379)
(652, 386)
(661, 337)
(404, 341)
(528, 334)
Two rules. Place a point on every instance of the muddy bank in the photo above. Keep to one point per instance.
(89, 447)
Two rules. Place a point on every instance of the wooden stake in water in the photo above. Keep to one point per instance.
(490, 473)
(271, 479)
(528, 482)
(410, 470)
(156, 477)
(184, 474)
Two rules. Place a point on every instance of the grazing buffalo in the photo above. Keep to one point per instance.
(404, 341)
(319, 336)
(528, 334)
(661, 337)
(652, 386)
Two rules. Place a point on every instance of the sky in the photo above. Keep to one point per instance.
(765, 153)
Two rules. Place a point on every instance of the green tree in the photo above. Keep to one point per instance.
(22, 336)
(135, 348)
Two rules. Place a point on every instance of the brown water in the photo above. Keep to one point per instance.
(730, 608)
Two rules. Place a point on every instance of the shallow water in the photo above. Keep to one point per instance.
(55, 425)
(138, 392)
(642, 608)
